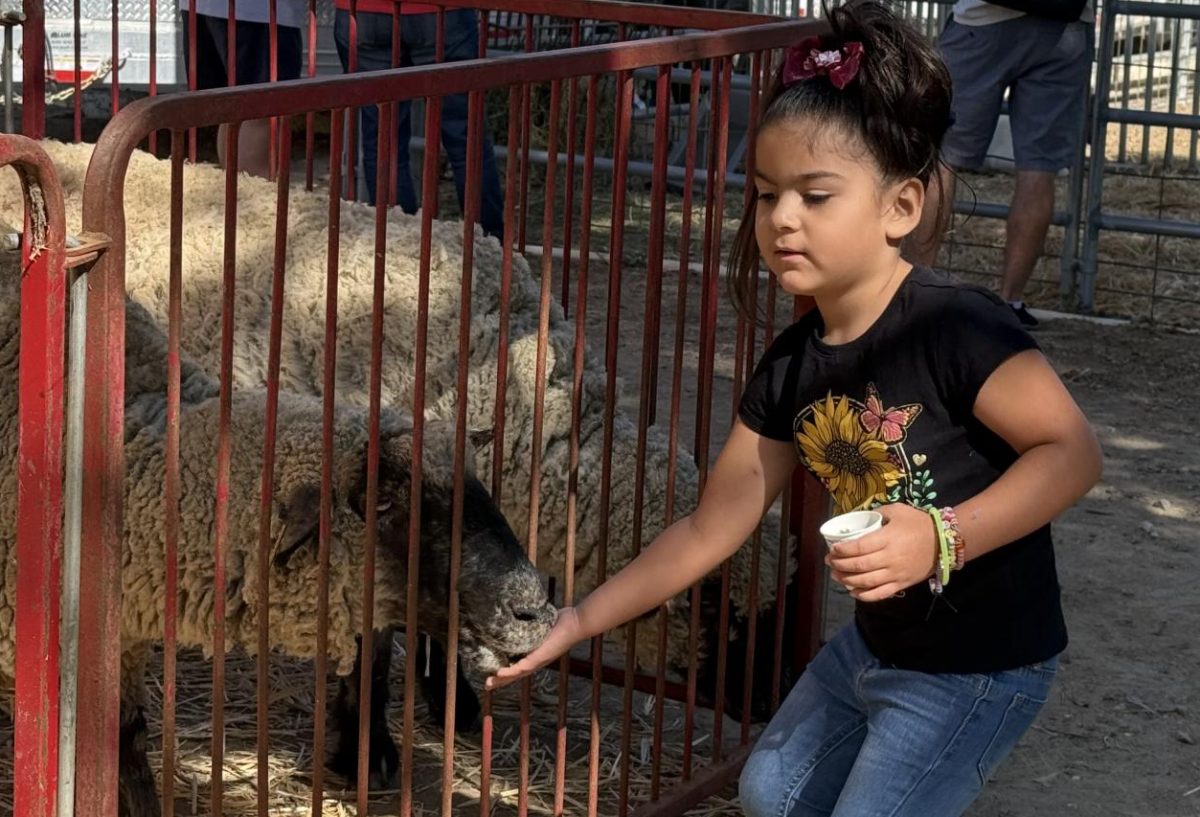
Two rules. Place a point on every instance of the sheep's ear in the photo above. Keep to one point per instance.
(481, 437)
(300, 519)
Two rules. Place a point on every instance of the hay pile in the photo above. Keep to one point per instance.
(291, 729)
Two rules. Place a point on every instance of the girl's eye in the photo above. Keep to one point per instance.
(766, 196)
(816, 199)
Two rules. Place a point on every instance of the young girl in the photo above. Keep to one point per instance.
(902, 391)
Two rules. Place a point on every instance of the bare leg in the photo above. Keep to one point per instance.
(253, 147)
(1028, 221)
(921, 247)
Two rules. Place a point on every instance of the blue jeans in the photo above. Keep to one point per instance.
(858, 739)
(418, 35)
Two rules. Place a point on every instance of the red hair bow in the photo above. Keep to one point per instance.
(806, 60)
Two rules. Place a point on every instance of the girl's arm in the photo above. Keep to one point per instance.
(748, 475)
(1026, 405)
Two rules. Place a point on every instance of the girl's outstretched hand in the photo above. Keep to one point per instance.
(891, 559)
(566, 632)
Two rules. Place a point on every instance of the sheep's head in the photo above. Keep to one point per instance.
(504, 611)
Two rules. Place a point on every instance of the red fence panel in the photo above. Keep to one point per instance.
(633, 340)
(39, 468)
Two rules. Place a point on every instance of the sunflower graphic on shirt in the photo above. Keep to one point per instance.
(857, 450)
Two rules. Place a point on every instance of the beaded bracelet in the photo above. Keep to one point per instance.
(954, 533)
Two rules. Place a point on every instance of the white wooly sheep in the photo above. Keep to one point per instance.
(147, 208)
(504, 609)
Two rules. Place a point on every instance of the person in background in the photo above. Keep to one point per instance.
(252, 61)
(1045, 65)
(418, 46)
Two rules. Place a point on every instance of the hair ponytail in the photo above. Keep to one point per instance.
(897, 104)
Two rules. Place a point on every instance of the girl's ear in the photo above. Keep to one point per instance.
(904, 205)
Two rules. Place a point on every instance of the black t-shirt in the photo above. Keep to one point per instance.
(888, 417)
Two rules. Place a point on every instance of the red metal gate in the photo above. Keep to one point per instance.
(568, 214)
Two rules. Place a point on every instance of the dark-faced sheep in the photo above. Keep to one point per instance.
(146, 209)
(504, 608)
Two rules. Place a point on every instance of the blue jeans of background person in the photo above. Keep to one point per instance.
(418, 35)
(856, 738)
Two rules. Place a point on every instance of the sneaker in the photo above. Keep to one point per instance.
(1023, 315)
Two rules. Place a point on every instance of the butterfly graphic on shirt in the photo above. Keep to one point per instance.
(890, 423)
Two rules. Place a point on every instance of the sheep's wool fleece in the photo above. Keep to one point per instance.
(293, 606)
(147, 210)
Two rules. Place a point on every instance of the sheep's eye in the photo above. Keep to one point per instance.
(383, 506)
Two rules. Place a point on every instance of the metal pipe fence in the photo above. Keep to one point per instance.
(584, 473)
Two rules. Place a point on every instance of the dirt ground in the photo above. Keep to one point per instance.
(1119, 734)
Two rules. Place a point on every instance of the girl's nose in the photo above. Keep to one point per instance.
(785, 215)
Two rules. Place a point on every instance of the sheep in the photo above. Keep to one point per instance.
(146, 200)
(505, 611)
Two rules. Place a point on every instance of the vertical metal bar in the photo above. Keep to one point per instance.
(171, 480)
(1151, 56)
(103, 508)
(740, 374)
(352, 125)
(1069, 262)
(267, 490)
(510, 178)
(811, 503)
(192, 34)
(616, 251)
(624, 86)
(384, 123)
(116, 54)
(33, 69)
(576, 408)
(272, 76)
(9, 104)
(154, 66)
(221, 510)
(526, 138)
(685, 241)
(1087, 283)
(1173, 91)
(720, 94)
(1125, 92)
(393, 132)
(1195, 146)
(39, 483)
(474, 170)
(585, 236)
(328, 393)
(310, 120)
(535, 470)
(433, 124)
(569, 183)
(69, 634)
(651, 322)
(77, 101)
(510, 181)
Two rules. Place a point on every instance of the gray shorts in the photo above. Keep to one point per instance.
(1046, 68)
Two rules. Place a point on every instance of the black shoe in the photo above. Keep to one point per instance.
(1023, 316)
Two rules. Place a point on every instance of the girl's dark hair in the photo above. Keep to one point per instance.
(898, 105)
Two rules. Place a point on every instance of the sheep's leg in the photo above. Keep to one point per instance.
(137, 796)
(431, 669)
(383, 758)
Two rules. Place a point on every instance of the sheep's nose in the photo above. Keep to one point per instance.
(529, 615)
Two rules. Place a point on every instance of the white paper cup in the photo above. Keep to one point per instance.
(851, 526)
